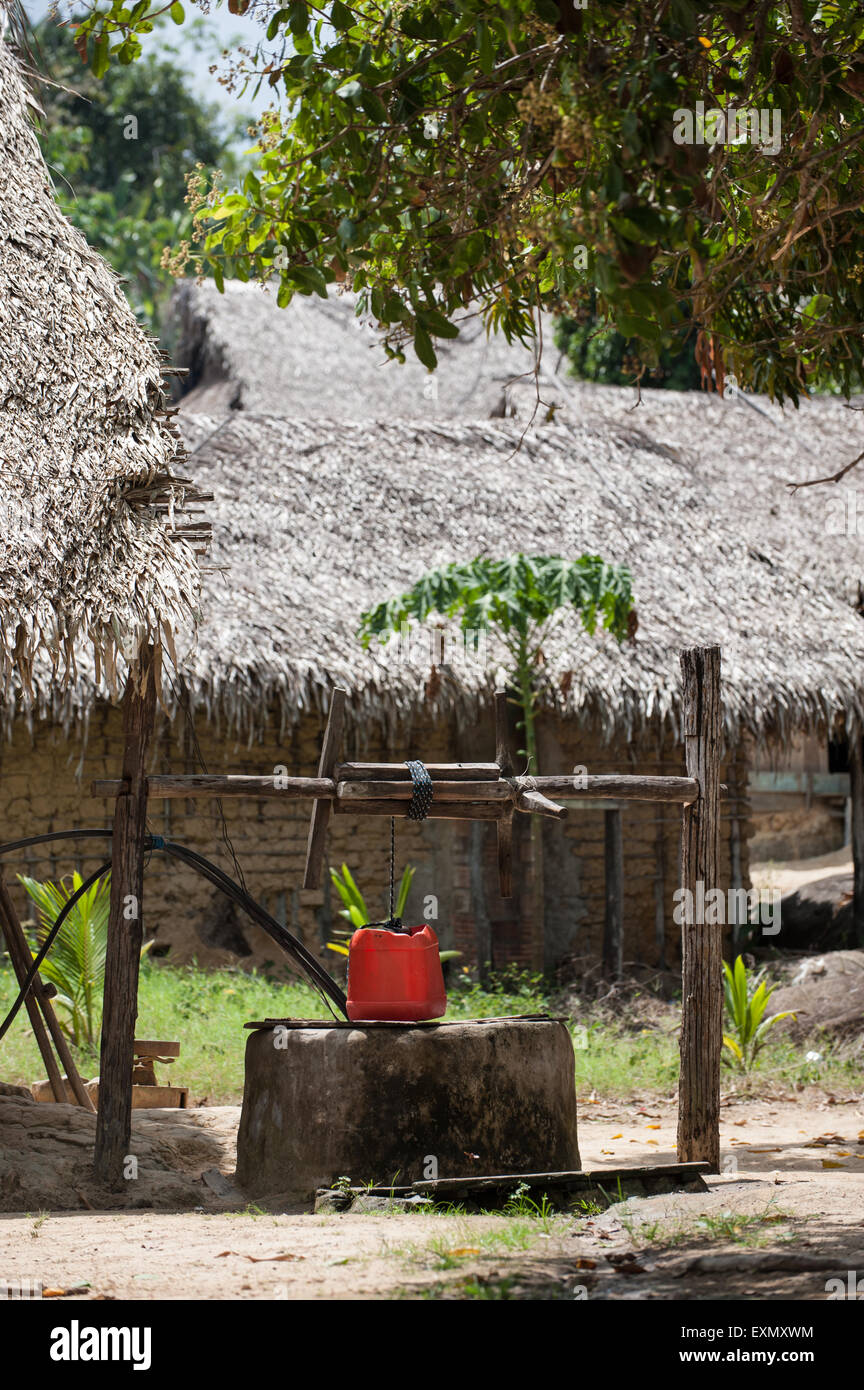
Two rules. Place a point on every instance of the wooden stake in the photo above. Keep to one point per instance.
(504, 761)
(856, 796)
(14, 933)
(702, 944)
(21, 966)
(330, 749)
(613, 925)
(125, 928)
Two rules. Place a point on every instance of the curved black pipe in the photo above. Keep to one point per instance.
(308, 965)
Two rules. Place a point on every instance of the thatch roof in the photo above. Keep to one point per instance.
(316, 359)
(91, 555)
(315, 521)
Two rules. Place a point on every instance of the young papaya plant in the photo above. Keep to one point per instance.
(746, 1001)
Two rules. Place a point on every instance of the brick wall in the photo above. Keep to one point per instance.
(44, 785)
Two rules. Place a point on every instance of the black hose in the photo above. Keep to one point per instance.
(305, 961)
(318, 977)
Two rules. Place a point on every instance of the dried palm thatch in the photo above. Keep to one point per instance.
(93, 547)
(317, 359)
(314, 521)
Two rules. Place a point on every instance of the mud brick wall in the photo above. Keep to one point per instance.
(44, 785)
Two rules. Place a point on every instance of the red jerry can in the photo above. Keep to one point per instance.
(395, 976)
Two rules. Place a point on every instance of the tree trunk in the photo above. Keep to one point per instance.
(702, 966)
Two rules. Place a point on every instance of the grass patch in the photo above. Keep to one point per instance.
(624, 1047)
(747, 1229)
(470, 1240)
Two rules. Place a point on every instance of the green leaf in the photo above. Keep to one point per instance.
(340, 16)
(177, 12)
(485, 48)
(373, 106)
(423, 347)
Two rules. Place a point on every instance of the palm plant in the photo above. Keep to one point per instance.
(746, 1001)
(519, 598)
(76, 961)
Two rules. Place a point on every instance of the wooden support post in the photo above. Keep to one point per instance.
(659, 887)
(702, 945)
(330, 750)
(125, 928)
(856, 796)
(10, 925)
(613, 925)
(504, 762)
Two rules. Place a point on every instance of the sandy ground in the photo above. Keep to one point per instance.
(786, 1216)
(790, 875)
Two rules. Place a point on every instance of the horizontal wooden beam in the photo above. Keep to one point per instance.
(620, 788)
(528, 793)
(166, 788)
(443, 791)
(439, 810)
(398, 772)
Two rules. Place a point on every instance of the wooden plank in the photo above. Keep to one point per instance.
(14, 932)
(613, 923)
(125, 929)
(702, 945)
(856, 791)
(664, 1176)
(444, 791)
(330, 750)
(173, 786)
(799, 783)
(397, 772)
(440, 810)
(504, 763)
(625, 787)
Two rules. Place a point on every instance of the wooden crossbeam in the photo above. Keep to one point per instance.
(626, 787)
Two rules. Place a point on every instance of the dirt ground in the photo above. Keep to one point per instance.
(785, 1217)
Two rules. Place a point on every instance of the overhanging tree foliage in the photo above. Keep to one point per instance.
(120, 149)
(515, 156)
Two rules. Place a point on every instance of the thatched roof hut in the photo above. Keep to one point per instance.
(316, 359)
(315, 521)
(93, 553)
(690, 489)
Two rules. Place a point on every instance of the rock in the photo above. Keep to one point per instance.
(7, 1089)
(826, 992)
(818, 915)
(367, 1206)
(330, 1200)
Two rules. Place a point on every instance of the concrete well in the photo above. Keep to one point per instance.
(371, 1101)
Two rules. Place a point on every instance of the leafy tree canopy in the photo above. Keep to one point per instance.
(595, 351)
(518, 155)
(120, 150)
